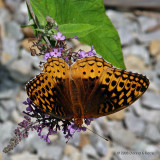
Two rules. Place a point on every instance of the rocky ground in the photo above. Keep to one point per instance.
(134, 133)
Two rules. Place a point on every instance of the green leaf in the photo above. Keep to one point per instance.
(85, 19)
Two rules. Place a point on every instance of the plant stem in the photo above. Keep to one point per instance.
(35, 20)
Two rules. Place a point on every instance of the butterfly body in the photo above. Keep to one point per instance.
(89, 88)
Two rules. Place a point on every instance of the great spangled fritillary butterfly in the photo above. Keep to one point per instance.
(89, 88)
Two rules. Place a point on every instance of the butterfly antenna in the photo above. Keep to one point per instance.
(97, 134)
(71, 136)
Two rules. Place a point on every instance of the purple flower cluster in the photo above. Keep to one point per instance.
(41, 119)
(90, 53)
(67, 54)
(56, 52)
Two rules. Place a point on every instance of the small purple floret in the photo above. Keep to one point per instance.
(55, 53)
(59, 37)
(82, 54)
(46, 56)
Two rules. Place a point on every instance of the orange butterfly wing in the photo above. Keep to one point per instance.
(116, 89)
(49, 90)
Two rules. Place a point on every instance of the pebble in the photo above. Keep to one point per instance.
(21, 15)
(6, 131)
(125, 36)
(75, 156)
(65, 158)
(154, 115)
(14, 31)
(147, 37)
(12, 4)
(123, 156)
(90, 152)
(139, 145)
(147, 23)
(154, 47)
(139, 51)
(16, 116)
(8, 53)
(9, 89)
(135, 124)
(9, 104)
(101, 148)
(24, 156)
(152, 133)
(4, 16)
(51, 152)
(117, 116)
(34, 143)
(131, 62)
(151, 100)
(117, 133)
(3, 114)
(20, 70)
(69, 149)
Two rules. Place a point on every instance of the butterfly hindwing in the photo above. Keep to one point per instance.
(116, 89)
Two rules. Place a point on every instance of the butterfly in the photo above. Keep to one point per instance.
(89, 88)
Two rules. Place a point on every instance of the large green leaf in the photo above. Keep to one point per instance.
(85, 19)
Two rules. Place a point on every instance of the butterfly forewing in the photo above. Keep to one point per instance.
(116, 89)
(85, 73)
(49, 90)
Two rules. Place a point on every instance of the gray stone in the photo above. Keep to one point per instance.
(152, 133)
(12, 4)
(154, 115)
(8, 89)
(147, 22)
(75, 155)
(101, 147)
(125, 36)
(90, 151)
(151, 100)
(84, 157)
(99, 144)
(97, 128)
(3, 114)
(75, 141)
(135, 124)
(147, 37)
(6, 133)
(51, 152)
(16, 116)
(4, 16)
(117, 133)
(65, 158)
(5, 156)
(20, 70)
(34, 60)
(119, 19)
(139, 145)
(139, 51)
(20, 99)
(21, 15)
(9, 105)
(8, 53)
(24, 156)
(34, 143)
(124, 154)
(13, 30)
(157, 68)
